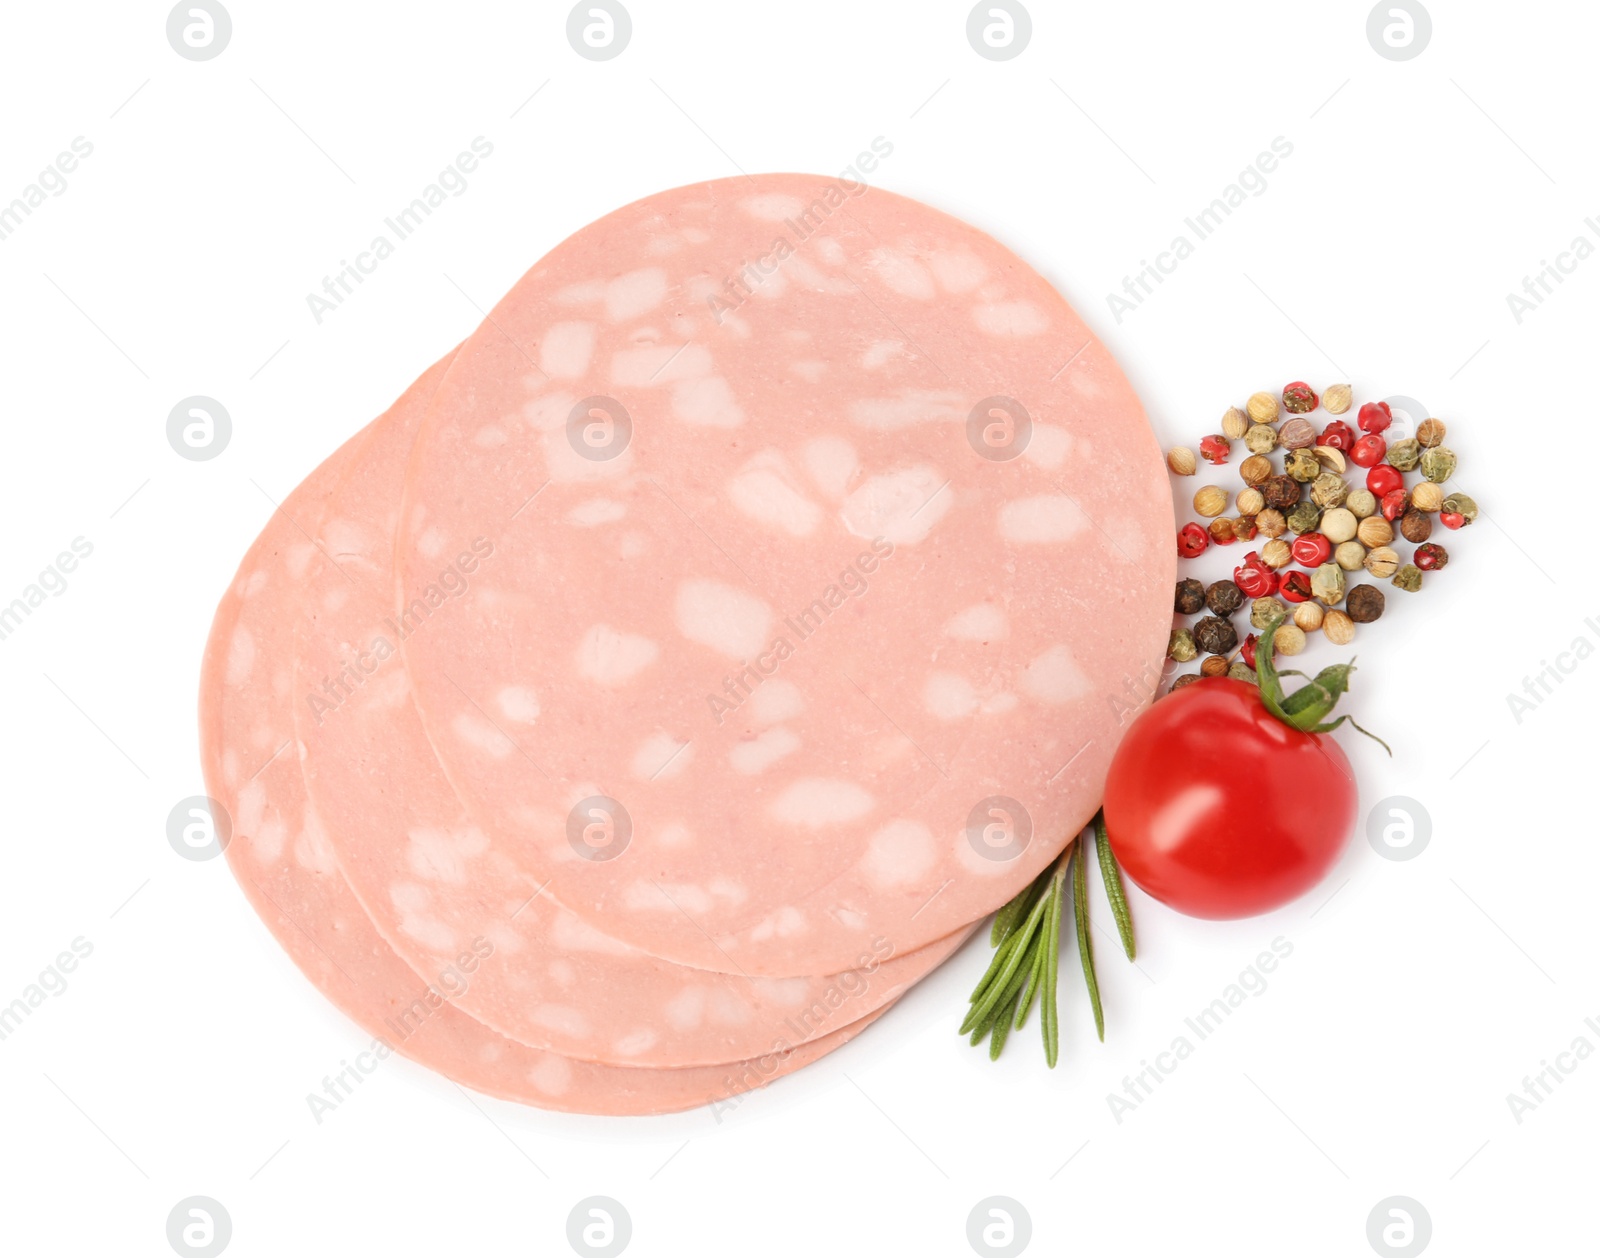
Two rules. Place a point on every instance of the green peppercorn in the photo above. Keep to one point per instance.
(1364, 604)
(1361, 503)
(1215, 636)
(1265, 610)
(1463, 506)
(1409, 578)
(1305, 518)
(1181, 647)
(1260, 438)
(1327, 584)
(1189, 597)
(1438, 464)
(1405, 454)
(1223, 597)
(1329, 490)
(1302, 465)
(1240, 671)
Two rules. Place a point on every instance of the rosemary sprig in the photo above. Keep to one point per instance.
(1026, 937)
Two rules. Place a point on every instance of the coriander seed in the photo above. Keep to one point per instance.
(1308, 616)
(1181, 461)
(1276, 553)
(1336, 399)
(1290, 639)
(1210, 501)
(1189, 597)
(1263, 407)
(1234, 423)
(1214, 666)
(1330, 457)
(1427, 497)
(1250, 501)
(1255, 470)
(1270, 523)
(1339, 628)
(1374, 531)
(1364, 604)
(1430, 432)
(1382, 562)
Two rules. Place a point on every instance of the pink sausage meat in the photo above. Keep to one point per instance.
(830, 555)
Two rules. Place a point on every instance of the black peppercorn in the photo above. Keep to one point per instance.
(1215, 636)
(1189, 597)
(1224, 598)
(1416, 526)
(1281, 492)
(1364, 604)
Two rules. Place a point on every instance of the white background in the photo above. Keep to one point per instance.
(1418, 994)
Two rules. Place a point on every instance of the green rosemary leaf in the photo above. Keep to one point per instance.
(1111, 876)
(1035, 982)
(1002, 1030)
(1017, 948)
(1080, 913)
(1049, 1013)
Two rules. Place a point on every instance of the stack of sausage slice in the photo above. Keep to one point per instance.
(681, 667)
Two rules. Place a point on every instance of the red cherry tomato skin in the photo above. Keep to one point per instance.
(1220, 810)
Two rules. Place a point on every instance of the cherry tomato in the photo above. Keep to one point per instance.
(1220, 810)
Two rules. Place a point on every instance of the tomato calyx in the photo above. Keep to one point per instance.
(1308, 708)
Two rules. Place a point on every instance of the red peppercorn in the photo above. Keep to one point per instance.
(1430, 555)
(1299, 397)
(1214, 449)
(1369, 450)
(1394, 504)
(1452, 519)
(1384, 479)
(1338, 435)
(1247, 651)
(1374, 417)
(1192, 541)
(1311, 549)
(1244, 528)
(1296, 587)
(1255, 578)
